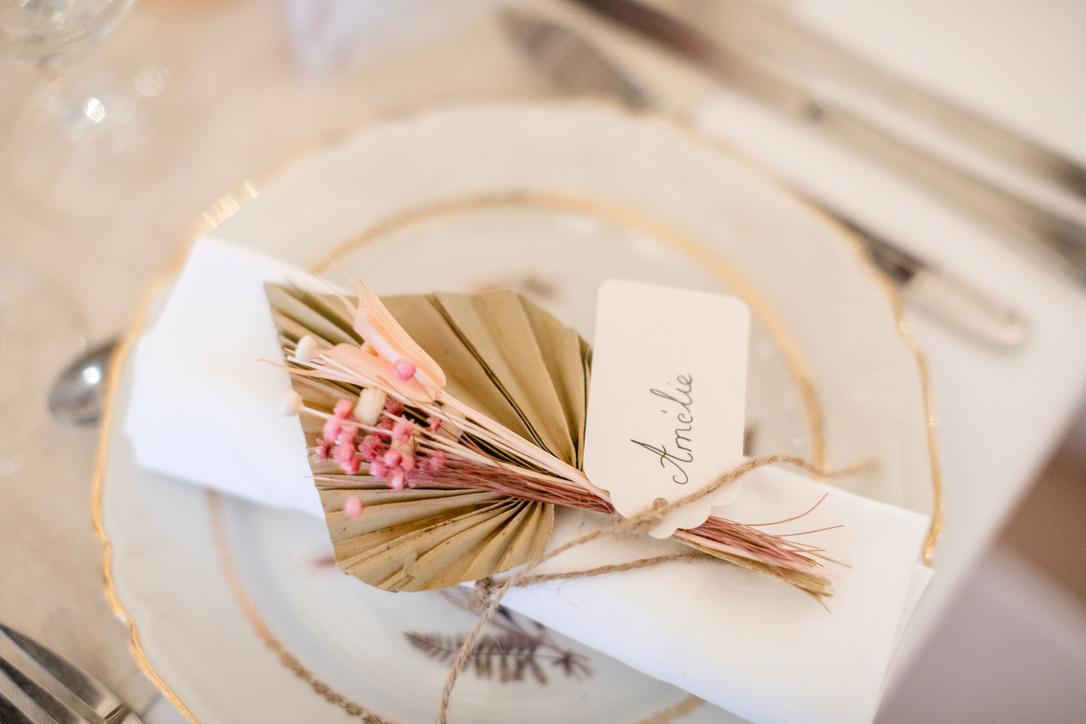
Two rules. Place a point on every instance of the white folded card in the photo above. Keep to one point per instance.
(204, 410)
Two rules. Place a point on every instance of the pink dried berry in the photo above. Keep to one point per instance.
(332, 428)
(343, 409)
(342, 453)
(347, 434)
(370, 447)
(352, 507)
(395, 480)
(405, 368)
(402, 430)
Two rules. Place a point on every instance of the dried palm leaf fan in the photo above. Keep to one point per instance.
(446, 427)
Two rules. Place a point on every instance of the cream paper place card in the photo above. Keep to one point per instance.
(667, 397)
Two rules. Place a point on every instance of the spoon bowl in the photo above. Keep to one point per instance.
(76, 395)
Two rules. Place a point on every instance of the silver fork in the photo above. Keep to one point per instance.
(39, 686)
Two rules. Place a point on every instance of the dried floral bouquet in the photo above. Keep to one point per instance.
(445, 428)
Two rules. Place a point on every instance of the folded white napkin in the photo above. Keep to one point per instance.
(204, 409)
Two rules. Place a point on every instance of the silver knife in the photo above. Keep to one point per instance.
(770, 31)
(574, 64)
(942, 296)
(1042, 233)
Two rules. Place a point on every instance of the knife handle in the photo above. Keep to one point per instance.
(942, 296)
(1037, 231)
(958, 304)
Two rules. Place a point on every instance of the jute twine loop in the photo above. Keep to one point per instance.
(488, 596)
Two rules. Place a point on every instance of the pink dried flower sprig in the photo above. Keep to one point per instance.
(390, 449)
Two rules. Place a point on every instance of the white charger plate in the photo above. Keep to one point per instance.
(234, 609)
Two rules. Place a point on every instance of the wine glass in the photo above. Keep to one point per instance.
(42, 31)
(80, 132)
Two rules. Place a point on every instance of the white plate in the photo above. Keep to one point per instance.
(232, 609)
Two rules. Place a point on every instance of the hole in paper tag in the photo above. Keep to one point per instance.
(667, 397)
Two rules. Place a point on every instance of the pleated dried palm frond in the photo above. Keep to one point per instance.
(492, 349)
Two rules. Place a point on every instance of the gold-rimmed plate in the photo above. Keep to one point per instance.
(234, 608)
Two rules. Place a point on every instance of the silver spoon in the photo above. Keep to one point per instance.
(76, 395)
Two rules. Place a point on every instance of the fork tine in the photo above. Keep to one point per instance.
(19, 660)
(17, 707)
(101, 700)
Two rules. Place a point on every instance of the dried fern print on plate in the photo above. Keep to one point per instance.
(513, 649)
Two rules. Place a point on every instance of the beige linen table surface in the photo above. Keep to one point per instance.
(235, 103)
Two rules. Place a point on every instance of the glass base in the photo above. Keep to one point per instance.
(78, 139)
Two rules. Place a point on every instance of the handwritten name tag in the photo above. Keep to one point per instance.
(667, 397)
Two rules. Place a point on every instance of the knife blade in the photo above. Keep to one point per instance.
(769, 30)
(573, 63)
(1043, 234)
